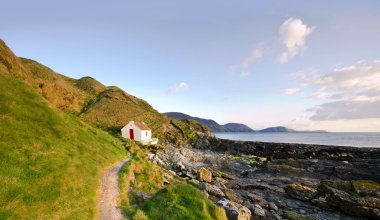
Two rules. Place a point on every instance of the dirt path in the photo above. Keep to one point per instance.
(109, 193)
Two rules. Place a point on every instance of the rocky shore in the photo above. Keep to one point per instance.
(256, 180)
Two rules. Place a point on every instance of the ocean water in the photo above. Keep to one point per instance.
(325, 138)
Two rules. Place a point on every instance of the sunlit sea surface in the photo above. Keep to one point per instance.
(329, 138)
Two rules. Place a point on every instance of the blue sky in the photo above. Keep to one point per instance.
(306, 65)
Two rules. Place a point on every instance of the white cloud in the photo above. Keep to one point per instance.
(351, 92)
(247, 62)
(291, 91)
(177, 88)
(252, 57)
(293, 33)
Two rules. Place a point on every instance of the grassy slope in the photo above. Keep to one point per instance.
(108, 108)
(50, 162)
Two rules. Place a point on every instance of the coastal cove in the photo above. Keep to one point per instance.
(354, 139)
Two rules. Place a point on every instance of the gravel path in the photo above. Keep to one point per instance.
(109, 193)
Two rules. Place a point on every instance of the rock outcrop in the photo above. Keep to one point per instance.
(301, 192)
(204, 175)
(342, 195)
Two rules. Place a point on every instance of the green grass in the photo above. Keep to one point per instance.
(180, 201)
(50, 162)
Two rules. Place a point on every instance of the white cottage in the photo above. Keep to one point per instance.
(138, 131)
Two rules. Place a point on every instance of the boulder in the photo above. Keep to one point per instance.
(234, 210)
(231, 195)
(227, 176)
(301, 192)
(258, 210)
(204, 175)
(194, 181)
(221, 180)
(211, 189)
(179, 166)
(273, 206)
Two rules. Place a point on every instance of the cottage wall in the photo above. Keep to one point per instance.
(145, 135)
(139, 135)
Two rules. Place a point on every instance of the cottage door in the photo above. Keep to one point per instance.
(131, 134)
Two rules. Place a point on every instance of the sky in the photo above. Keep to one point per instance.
(307, 65)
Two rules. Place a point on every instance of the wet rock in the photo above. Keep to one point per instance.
(204, 175)
(234, 210)
(211, 189)
(301, 192)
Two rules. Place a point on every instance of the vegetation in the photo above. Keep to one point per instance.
(248, 159)
(180, 201)
(49, 161)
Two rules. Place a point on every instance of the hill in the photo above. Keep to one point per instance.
(50, 162)
(277, 129)
(236, 127)
(106, 107)
(50, 156)
(211, 124)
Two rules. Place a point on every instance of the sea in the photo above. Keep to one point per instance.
(357, 139)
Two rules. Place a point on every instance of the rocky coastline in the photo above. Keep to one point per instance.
(257, 180)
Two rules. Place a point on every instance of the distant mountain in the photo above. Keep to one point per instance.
(211, 124)
(285, 129)
(236, 127)
(277, 129)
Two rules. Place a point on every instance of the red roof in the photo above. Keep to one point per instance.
(141, 125)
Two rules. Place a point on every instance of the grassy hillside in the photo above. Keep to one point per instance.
(49, 161)
(108, 108)
(113, 108)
